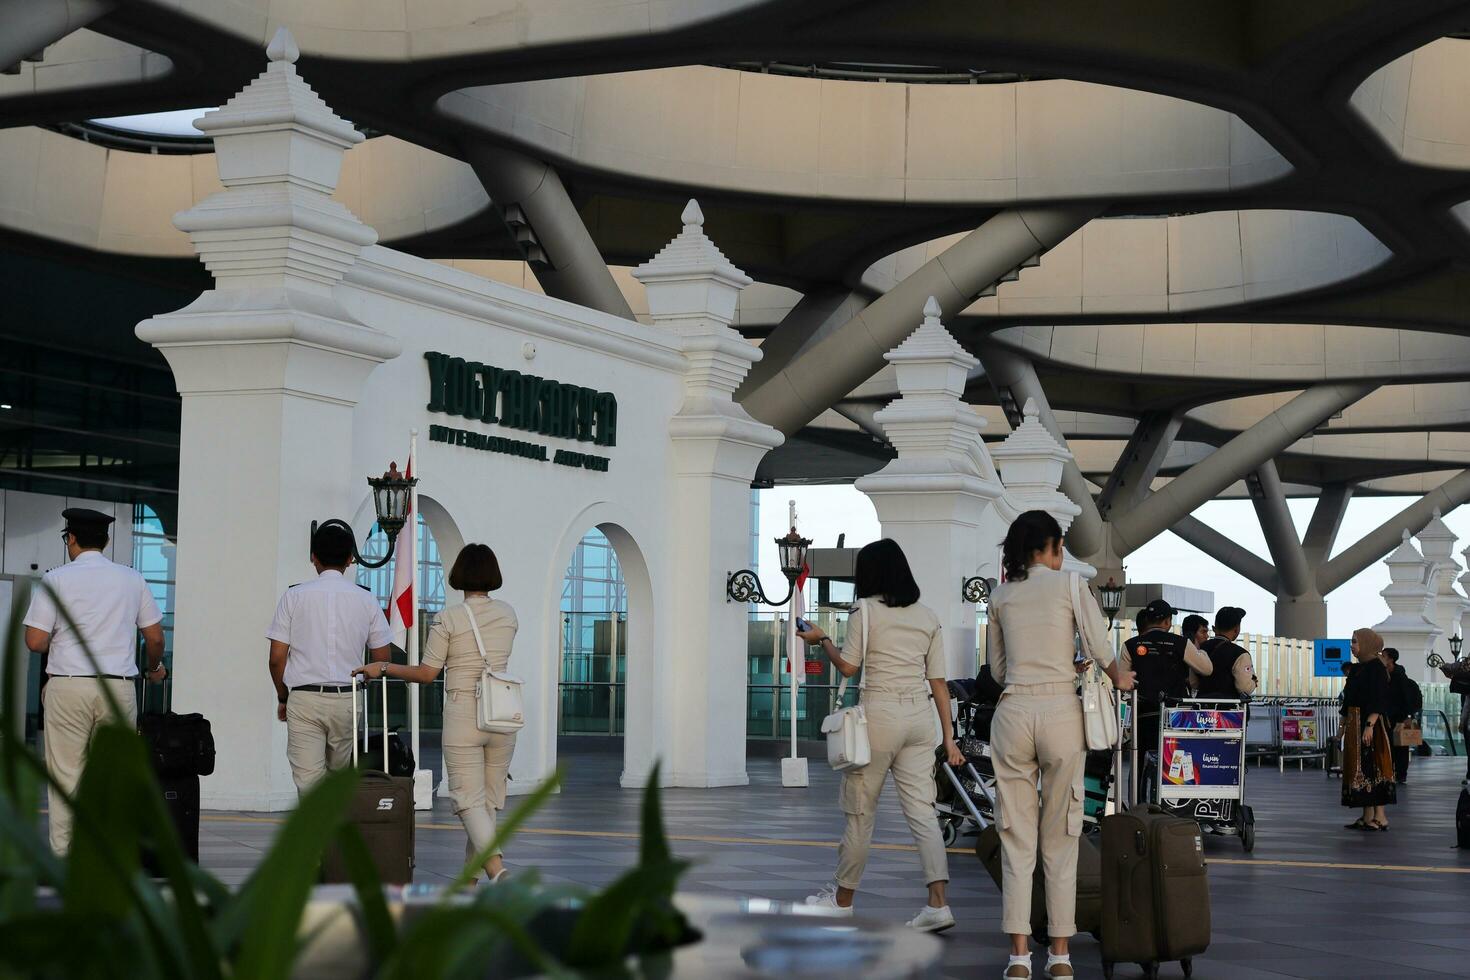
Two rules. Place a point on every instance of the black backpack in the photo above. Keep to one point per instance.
(178, 745)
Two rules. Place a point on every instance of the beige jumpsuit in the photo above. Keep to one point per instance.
(903, 649)
(1038, 731)
(476, 762)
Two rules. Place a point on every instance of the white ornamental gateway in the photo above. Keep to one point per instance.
(316, 354)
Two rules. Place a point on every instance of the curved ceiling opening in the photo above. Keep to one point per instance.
(1416, 103)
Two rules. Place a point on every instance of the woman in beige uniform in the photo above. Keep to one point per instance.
(476, 762)
(901, 652)
(1038, 731)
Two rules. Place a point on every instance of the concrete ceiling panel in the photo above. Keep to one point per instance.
(891, 142)
(1416, 104)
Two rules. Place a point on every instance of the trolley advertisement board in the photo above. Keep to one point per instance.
(1202, 753)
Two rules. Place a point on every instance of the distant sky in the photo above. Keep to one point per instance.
(826, 511)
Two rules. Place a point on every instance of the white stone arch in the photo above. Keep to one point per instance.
(645, 707)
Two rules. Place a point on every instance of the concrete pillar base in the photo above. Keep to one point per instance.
(1301, 617)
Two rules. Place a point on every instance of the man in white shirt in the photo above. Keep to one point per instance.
(89, 643)
(317, 637)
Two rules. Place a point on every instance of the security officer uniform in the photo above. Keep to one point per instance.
(1161, 662)
(88, 606)
(326, 624)
(1234, 674)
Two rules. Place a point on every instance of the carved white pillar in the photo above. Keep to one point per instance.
(1464, 623)
(1031, 463)
(1447, 606)
(697, 720)
(933, 498)
(1409, 597)
(269, 366)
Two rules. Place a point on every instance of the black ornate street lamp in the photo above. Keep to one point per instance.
(392, 495)
(1111, 596)
(745, 585)
(977, 589)
(1456, 642)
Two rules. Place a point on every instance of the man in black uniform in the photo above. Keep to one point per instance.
(1161, 662)
(1233, 676)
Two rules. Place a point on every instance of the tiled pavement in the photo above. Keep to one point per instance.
(1368, 915)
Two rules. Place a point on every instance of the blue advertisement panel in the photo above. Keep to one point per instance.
(1205, 720)
(1194, 761)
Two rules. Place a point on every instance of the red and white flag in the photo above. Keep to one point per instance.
(797, 655)
(402, 605)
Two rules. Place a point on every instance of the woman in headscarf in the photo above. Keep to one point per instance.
(1367, 757)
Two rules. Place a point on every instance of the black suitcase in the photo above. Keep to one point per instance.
(1462, 820)
(1089, 882)
(1155, 890)
(181, 798)
(400, 756)
(381, 809)
(178, 744)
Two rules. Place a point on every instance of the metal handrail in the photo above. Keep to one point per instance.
(1449, 732)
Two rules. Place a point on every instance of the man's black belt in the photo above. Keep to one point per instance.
(323, 688)
(102, 677)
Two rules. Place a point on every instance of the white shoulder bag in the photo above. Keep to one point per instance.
(1099, 716)
(847, 728)
(498, 702)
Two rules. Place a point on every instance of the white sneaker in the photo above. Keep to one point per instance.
(931, 919)
(827, 899)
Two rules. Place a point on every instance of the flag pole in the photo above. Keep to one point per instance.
(793, 770)
(413, 578)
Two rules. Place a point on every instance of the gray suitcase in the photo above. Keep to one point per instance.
(381, 809)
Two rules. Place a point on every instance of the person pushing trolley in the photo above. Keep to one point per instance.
(91, 605)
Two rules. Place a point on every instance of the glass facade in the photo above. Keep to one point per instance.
(594, 616)
(154, 556)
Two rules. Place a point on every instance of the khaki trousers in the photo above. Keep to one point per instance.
(75, 709)
(901, 733)
(1038, 731)
(476, 763)
(318, 735)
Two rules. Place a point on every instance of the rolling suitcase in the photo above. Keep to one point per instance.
(382, 811)
(1089, 882)
(181, 798)
(1155, 890)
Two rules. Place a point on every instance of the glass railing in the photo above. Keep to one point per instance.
(590, 708)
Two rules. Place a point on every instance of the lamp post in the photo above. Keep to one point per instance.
(1112, 601)
(1456, 642)
(977, 589)
(1111, 598)
(1435, 661)
(391, 500)
(745, 585)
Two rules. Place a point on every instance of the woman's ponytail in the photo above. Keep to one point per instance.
(1033, 531)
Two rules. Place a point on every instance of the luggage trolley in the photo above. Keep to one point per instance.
(1201, 769)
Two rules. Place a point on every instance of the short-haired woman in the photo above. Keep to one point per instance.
(1037, 731)
(476, 762)
(896, 641)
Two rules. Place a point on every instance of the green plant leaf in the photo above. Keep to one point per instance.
(62, 944)
(505, 830)
(267, 912)
(636, 913)
(104, 866)
(377, 921)
(455, 941)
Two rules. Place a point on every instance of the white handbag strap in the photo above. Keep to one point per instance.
(1078, 612)
(475, 629)
(863, 607)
